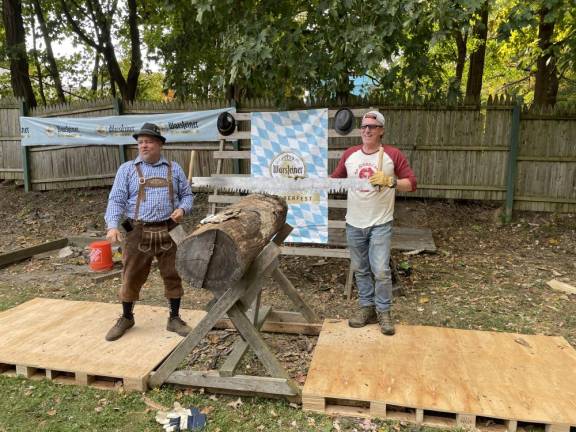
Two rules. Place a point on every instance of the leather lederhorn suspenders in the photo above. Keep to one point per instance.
(152, 182)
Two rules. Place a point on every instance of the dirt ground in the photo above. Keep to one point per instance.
(485, 275)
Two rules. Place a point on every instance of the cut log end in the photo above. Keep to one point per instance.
(218, 253)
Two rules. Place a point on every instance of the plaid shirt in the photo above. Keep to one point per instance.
(157, 206)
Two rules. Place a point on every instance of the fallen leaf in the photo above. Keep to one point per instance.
(51, 412)
(207, 410)
(336, 425)
(423, 300)
(236, 404)
(154, 405)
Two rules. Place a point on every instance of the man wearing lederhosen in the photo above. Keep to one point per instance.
(154, 195)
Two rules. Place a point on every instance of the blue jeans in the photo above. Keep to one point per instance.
(370, 260)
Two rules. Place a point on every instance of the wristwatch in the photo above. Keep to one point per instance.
(393, 182)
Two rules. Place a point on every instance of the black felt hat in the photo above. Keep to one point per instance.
(150, 129)
(226, 123)
(344, 121)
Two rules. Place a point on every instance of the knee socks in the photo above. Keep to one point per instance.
(128, 310)
(174, 307)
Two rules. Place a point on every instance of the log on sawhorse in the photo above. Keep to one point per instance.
(241, 303)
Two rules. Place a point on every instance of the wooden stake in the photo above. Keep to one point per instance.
(191, 165)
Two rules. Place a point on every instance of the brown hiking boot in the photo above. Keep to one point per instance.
(364, 315)
(177, 325)
(386, 324)
(121, 326)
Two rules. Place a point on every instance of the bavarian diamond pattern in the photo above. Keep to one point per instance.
(304, 133)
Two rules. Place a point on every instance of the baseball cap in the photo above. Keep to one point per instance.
(376, 115)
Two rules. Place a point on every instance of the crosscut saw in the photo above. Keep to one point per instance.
(279, 185)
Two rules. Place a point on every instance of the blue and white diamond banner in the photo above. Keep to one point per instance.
(294, 144)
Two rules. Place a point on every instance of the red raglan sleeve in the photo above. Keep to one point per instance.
(402, 168)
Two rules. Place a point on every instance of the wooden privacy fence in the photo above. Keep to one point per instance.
(494, 152)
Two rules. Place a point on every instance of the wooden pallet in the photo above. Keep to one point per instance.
(444, 377)
(64, 341)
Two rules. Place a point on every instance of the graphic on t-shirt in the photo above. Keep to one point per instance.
(365, 172)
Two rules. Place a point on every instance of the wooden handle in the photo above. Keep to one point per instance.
(191, 165)
(380, 157)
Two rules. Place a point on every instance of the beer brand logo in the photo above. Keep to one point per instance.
(288, 165)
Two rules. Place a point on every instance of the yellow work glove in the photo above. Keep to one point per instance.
(380, 179)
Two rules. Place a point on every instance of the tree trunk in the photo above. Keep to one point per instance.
(219, 252)
(16, 49)
(103, 44)
(461, 59)
(94, 87)
(52, 66)
(476, 70)
(546, 87)
(135, 53)
(37, 64)
(454, 89)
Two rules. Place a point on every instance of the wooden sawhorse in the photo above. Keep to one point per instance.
(241, 302)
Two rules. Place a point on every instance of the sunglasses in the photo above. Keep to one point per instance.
(370, 127)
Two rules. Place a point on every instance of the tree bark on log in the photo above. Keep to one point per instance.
(219, 252)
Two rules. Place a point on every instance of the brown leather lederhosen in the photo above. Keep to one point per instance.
(146, 241)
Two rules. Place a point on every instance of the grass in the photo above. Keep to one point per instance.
(44, 406)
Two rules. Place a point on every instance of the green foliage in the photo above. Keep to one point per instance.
(294, 48)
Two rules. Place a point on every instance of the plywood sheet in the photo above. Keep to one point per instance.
(68, 336)
(467, 373)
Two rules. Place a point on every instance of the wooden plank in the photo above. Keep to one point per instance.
(99, 278)
(281, 324)
(25, 371)
(287, 317)
(557, 428)
(22, 254)
(315, 252)
(557, 285)
(466, 421)
(240, 346)
(253, 385)
(82, 378)
(313, 403)
(36, 333)
(452, 374)
(254, 339)
(294, 296)
(511, 425)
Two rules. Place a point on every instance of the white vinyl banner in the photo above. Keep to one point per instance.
(118, 130)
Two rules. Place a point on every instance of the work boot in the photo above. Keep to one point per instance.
(364, 315)
(386, 324)
(121, 326)
(177, 325)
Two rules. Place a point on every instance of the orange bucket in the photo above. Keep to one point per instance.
(101, 255)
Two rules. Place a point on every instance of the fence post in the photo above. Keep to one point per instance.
(25, 153)
(117, 106)
(512, 161)
(235, 145)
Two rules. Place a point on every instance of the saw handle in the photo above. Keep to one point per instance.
(379, 168)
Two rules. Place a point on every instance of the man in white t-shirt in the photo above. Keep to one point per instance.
(369, 218)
